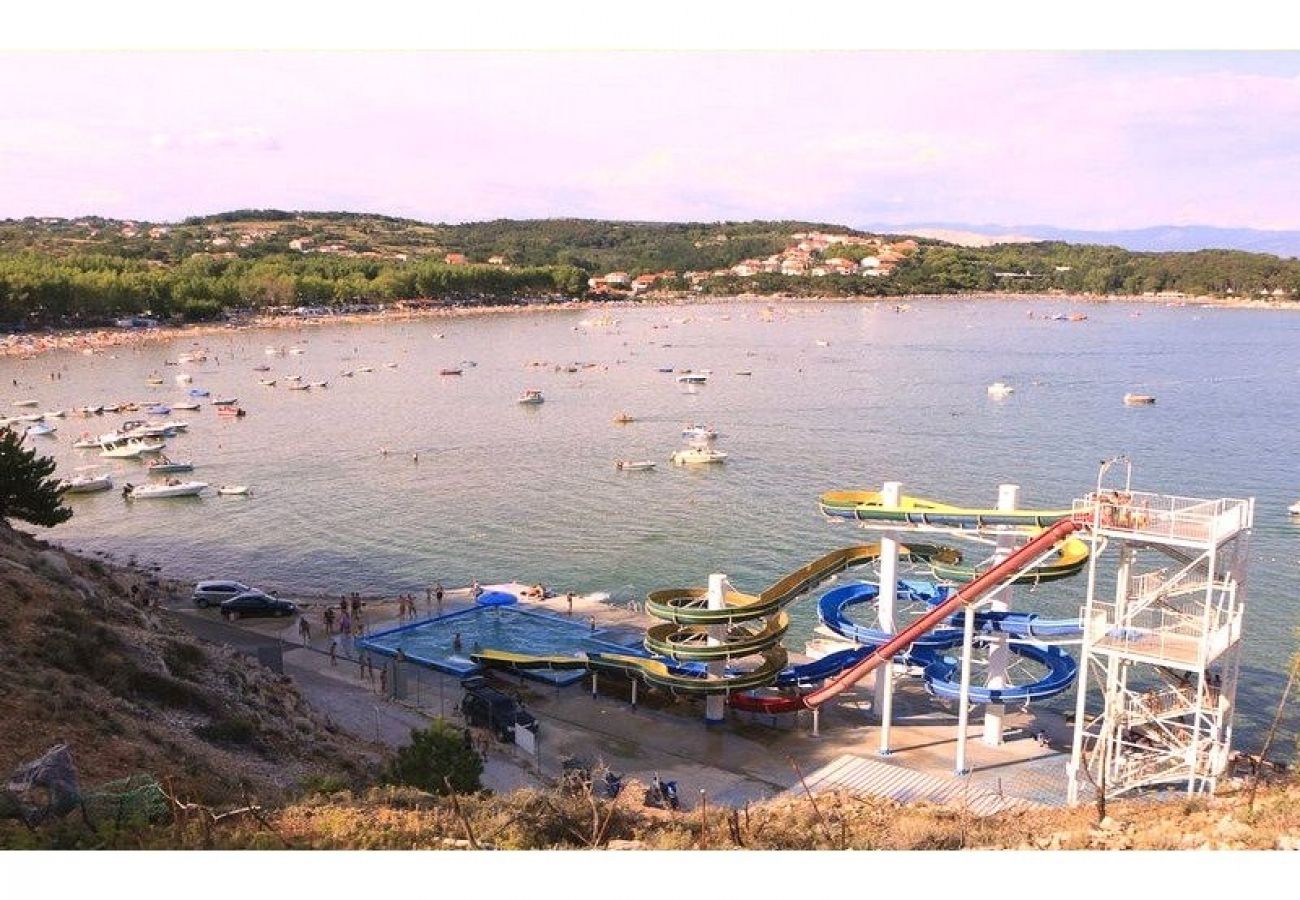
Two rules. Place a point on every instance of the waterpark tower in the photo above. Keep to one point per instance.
(1160, 661)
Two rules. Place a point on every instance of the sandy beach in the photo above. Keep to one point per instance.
(101, 340)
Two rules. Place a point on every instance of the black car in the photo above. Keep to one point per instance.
(256, 603)
(493, 709)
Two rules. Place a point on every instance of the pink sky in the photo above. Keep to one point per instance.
(1101, 140)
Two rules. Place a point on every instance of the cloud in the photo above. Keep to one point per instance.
(240, 137)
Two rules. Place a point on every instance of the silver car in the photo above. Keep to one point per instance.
(211, 593)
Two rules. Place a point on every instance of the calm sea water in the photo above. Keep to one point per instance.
(840, 396)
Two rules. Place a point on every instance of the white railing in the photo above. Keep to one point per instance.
(1163, 515)
(1162, 632)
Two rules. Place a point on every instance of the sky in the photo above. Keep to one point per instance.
(1097, 140)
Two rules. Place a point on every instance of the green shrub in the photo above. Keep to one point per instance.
(183, 659)
(231, 730)
(436, 755)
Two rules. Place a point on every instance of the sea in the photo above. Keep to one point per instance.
(396, 476)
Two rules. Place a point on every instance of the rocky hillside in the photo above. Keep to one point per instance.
(88, 659)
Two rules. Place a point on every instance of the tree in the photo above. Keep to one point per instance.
(27, 492)
(436, 755)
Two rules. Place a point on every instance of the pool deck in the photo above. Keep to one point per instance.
(748, 758)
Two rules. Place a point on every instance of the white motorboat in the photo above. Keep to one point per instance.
(186, 406)
(169, 488)
(390, 365)
(164, 466)
(699, 432)
(531, 397)
(692, 378)
(365, 368)
(130, 448)
(266, 382)
(87, 484)
(235, 490)
(299, 386)
(41, 428)
(1139, 400)
(1294, 508)
(34, 417)
(184, 378)
(1000, 389)
(56, 414)
(697, 455)
(634, 465)
(320, 384)
(155, 379)
(225, 401)
(297, 351)
(91, 410)
(27, 403)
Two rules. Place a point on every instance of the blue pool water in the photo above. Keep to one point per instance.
(432, 642)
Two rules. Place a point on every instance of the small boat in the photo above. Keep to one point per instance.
(261, 368)
(91, 410)
(623, 419)
(531, 398)
(745, 372)
(186, 406)
(274, 351)
(299, 386)
(293, 378)
(692, 378)
(450, 372)
(231, 412)
(266, 382)
(198, 392)
(85, 442)
(390, 365)
(169, 488)
(636, 465)
(184, 378)
(87, 484)
(823, 343)
(699, 432)
(1139, 400)
(155, 378)
(235, 490)
(34, 417)
(164, 466)
(320, 384)
(296, 351)
(27, 403)
(1294, 508)
(41, 428)
(132, 448)
(56, 414)
(225, 401)
(667, 369)
(159, 410)
(697, 455)
(346, 373)
(1000, 389)
(365, 368)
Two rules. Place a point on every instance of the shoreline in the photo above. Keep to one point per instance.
(100, 340)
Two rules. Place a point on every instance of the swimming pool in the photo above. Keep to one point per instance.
(432, 642)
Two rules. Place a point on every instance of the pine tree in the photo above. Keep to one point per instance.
(27, 492)
(437, 757)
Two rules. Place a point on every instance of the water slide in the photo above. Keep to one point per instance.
(993, 577)
(870, 506)
(752, 626)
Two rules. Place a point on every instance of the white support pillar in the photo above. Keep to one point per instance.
(999, 647)
(890, 494)
(963, 711)
(715, 705)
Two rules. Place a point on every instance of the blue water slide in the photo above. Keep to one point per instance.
(943, 678)
(1018, 624)
(821, 669)
(832, 605)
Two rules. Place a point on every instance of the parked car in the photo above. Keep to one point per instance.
(211, 593)
(256, 603)
(495, 710)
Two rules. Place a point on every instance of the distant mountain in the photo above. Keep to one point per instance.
(1158, 238)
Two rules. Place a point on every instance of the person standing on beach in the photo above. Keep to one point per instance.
(437, 595)
(304, 629)
(345, 627)
(569, 599)
(329, 620)
(334, 651)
